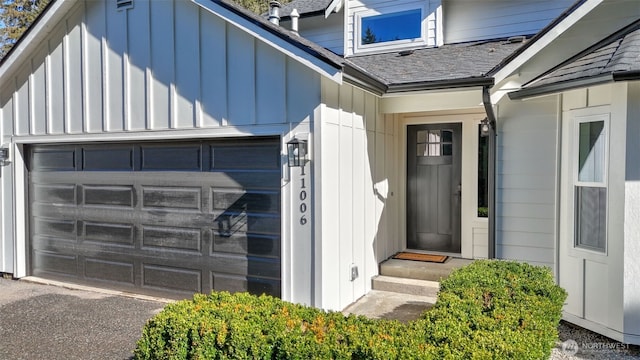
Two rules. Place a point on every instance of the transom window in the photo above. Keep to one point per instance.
(590, 184)
(391, 27)
(434, 143)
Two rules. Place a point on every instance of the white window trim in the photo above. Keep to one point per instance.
(601, 184)
(389, 45)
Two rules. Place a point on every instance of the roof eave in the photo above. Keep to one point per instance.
(441, 84)
(360, 78)
(631, 75)
(558, 87)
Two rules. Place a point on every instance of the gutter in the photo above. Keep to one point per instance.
(360, 78)
(441, 84)
(626, 75)
(491, 191)
(558, 87)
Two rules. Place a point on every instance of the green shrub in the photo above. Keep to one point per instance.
(496, 309)
(489, 309)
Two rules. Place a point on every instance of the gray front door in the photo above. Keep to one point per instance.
(433, 187)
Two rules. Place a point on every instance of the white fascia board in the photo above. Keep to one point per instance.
(439, 100)
(514, 65)
(334, 5)
(35, 36)
(282, 45)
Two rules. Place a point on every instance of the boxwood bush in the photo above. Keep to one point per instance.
(489, 309)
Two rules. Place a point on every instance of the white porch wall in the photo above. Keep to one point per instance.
(466, 20)
(357, 182)
(603, 291)
(631, 290)
(162, 70)
(526, 180)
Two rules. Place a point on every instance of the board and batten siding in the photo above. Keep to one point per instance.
(431, 20)
(466, 20)
(142, 74)
(526, 186)
(357, 181)
(161, 65)
(602, 286)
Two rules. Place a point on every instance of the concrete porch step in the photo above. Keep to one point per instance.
(406, 286)
(421, 270)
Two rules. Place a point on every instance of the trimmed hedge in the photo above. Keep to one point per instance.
(489, 309)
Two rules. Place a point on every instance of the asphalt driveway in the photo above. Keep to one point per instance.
(50, 322)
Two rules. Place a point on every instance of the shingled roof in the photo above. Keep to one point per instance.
(454, 64)
(606, 61)
(305, 7)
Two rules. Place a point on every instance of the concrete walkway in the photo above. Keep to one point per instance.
(391, 306)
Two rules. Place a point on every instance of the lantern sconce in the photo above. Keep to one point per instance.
(297, 153)
(485, 127)
(4, 156)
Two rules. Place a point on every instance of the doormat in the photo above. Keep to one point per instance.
(421, 257)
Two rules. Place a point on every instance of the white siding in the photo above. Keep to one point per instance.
(602, 286)
(357, 181)
(105, 75)
(328, 33)
(160, 65)
(430, 20)
(6, 188)
(467, 20)
(632, 215)
(526, 180)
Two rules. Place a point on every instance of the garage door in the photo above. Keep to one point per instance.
(167, 219)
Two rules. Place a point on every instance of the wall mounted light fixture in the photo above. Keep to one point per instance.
(4, 156)
(485, 127)
(297, 152)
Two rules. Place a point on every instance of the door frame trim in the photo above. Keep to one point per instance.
(468, 217)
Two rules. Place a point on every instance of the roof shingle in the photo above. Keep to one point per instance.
(619, 54)
(447, 62)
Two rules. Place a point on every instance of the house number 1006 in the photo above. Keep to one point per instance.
(303, 197)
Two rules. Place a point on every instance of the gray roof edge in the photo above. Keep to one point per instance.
(565, 85)
(441, 84)
(361, 78)
(631, 75)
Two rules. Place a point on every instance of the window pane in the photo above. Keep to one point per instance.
(447, 136)
(422, 136)
(591, 152)
(483, 174)
(390, 27)
(591, 217)
(447, 149)
(422, 150)
(434, 149)
(434, 136)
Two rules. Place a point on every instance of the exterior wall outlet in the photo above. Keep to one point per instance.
(354, 272)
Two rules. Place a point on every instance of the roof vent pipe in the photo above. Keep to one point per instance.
(294, 21)
(274, 12)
